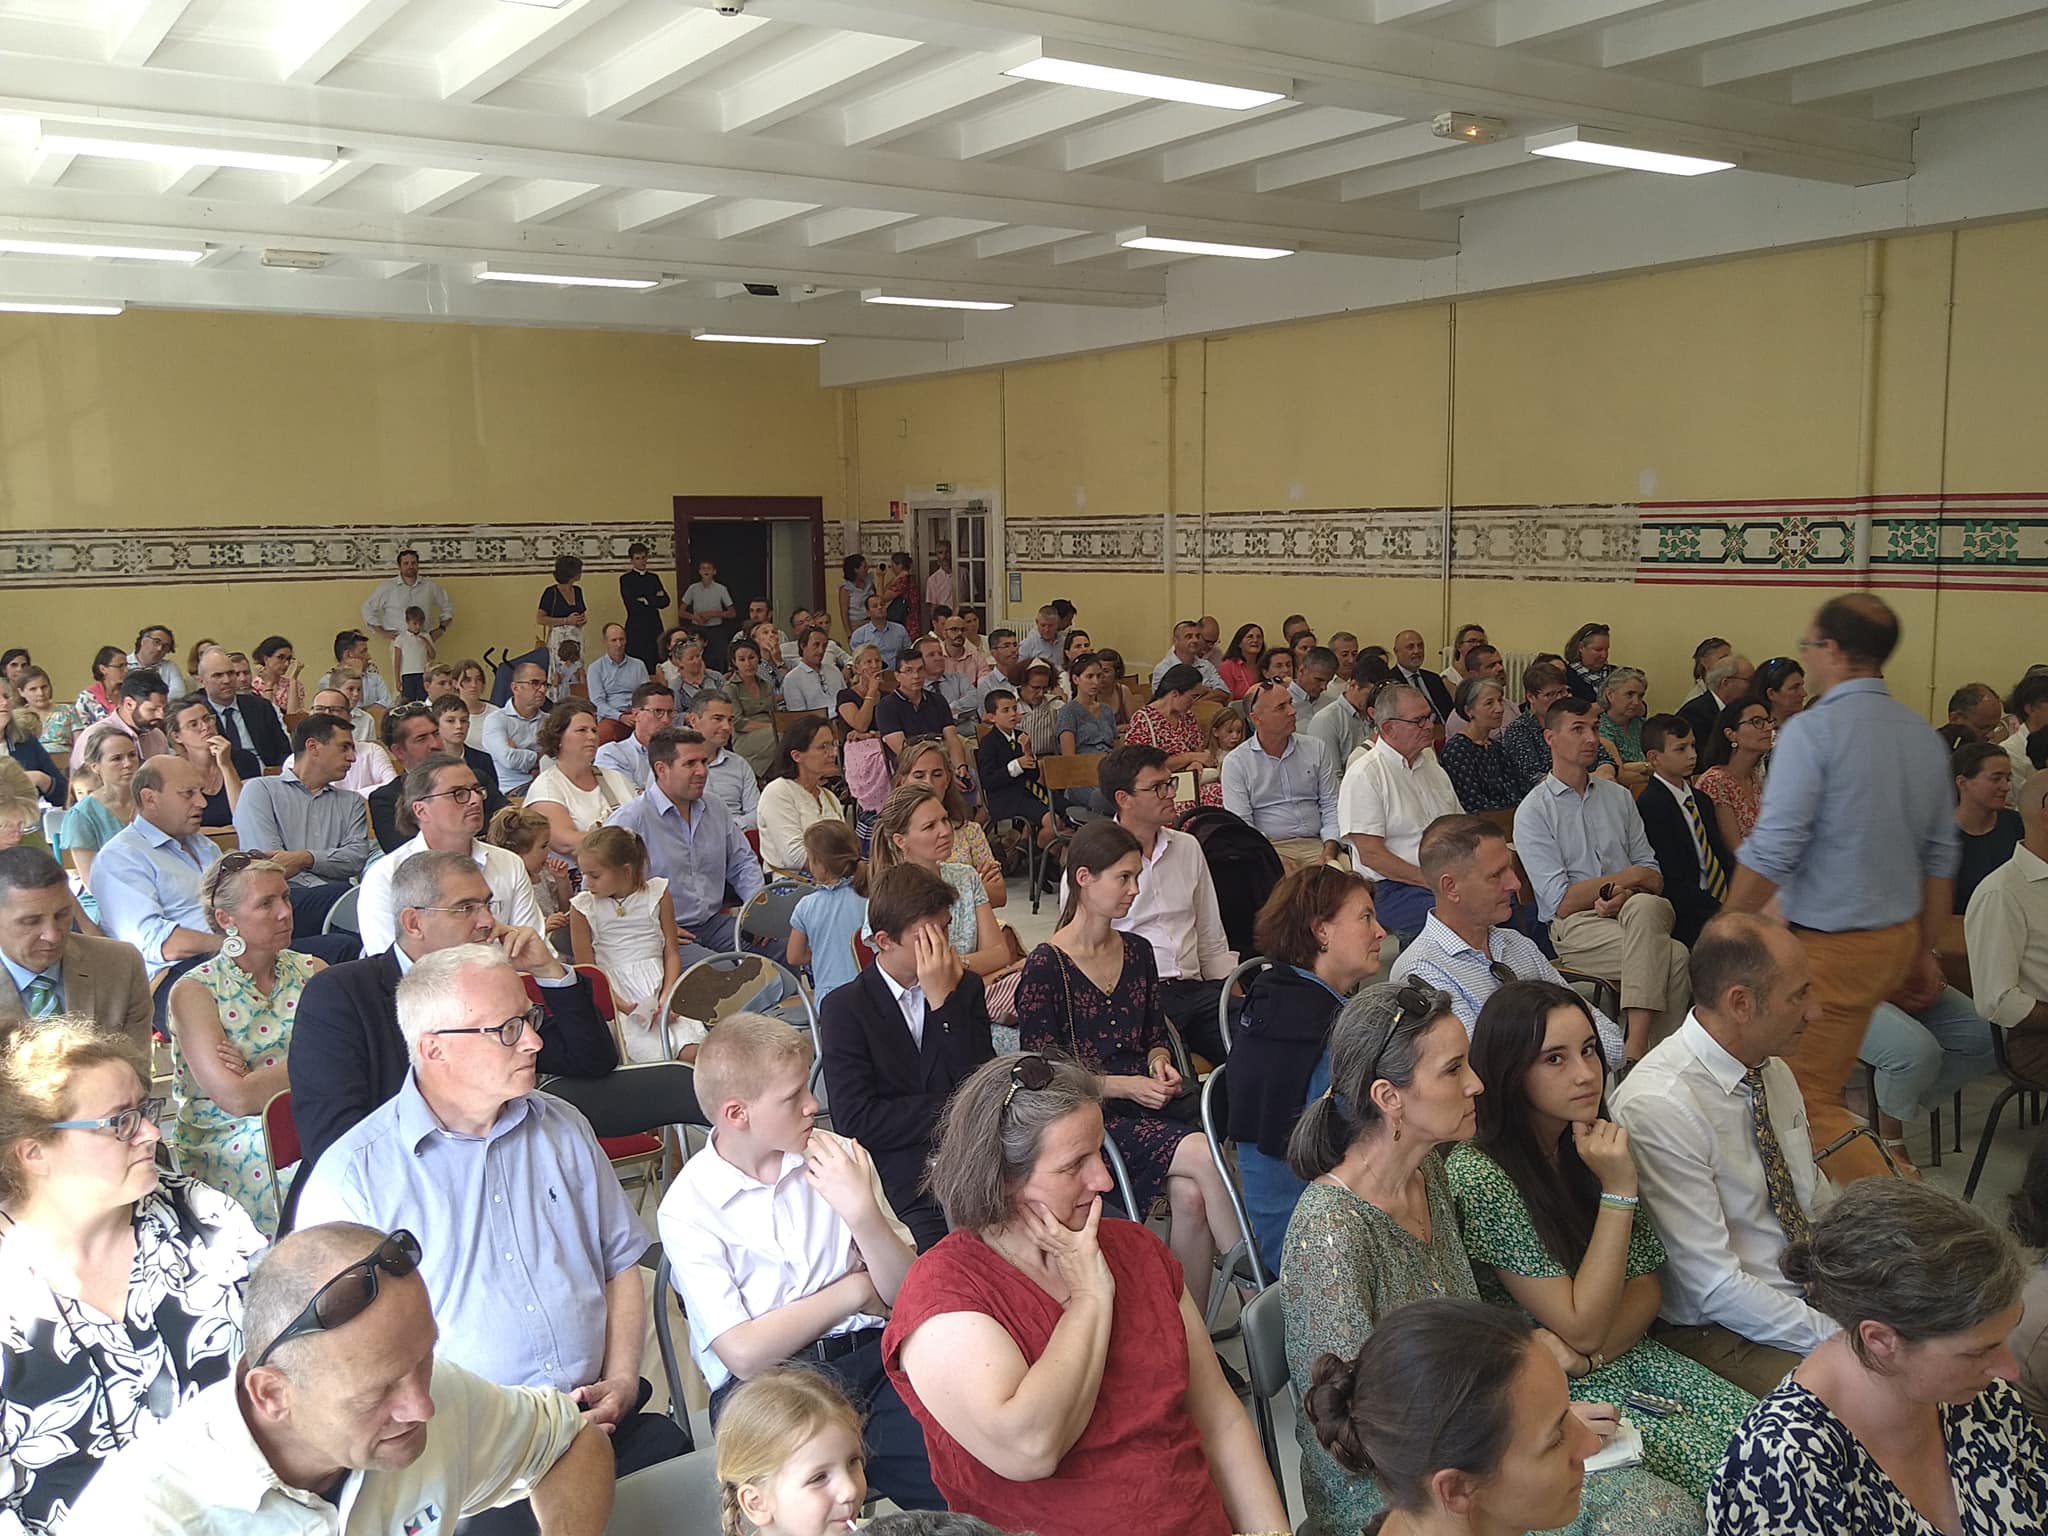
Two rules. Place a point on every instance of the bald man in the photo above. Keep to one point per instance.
(1409, 668)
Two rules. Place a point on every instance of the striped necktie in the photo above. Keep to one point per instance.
(1712, 875)
(40, 1000)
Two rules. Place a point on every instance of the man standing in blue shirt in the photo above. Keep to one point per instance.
(1857, 838)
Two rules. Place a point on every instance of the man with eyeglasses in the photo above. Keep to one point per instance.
(1466, 948)
(470, 1157)
(341, 1418)
(348, 1055)
(512, 734)
(441, 808)
(317, 831)
(654, 709)
(1281, 782)
(1388, 797)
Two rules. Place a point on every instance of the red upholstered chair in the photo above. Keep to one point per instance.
(280, 1143)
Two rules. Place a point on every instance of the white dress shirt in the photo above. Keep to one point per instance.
(512, 898)
(1176, 911)
(911, 1001)
(739, 1248)
(1687, 1114)
(385, 607)
(1384, 795)
(2006, 932)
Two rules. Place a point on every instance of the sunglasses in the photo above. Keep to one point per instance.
(123, 1125)
(1415, 1001)
(1028, 1072)
(509, 1033)
(348, 1295)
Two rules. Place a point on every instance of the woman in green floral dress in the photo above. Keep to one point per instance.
(1376, 1229)
(1546, 1197)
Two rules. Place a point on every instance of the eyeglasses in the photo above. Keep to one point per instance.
(509, 1033)
(122, 1125)
(1501, 971)
(1415, 1001)
(1163, 789)
(1031, 1072)
(461, 908)
(464, 793)
(348, 1295)
(529, 682)
(1418, 721)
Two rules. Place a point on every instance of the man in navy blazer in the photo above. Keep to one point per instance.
(1667, 805)
(347, 1056)
(901, 1036)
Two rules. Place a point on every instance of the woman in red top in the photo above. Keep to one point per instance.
(1166, 723)
(1063, 1377)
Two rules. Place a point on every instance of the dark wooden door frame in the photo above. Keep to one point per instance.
(752, 509)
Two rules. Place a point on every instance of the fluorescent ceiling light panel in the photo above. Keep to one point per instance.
(546, 5)
(760, 341)
(1141, 239)
(490, 274)
(58, 307)
(1601, 146)
(56, 245)
(1132, 74)
(183, 149)
(910, 301)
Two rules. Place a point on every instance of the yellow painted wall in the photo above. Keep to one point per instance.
(1735, 380)
(162, 419)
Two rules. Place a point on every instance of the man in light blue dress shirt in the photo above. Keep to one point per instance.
(692, 842)
(147, 877)
(512, 734)
(612, 678)
(1857, 838)
(654, 709)
(1281, 782)
(813, 682)
(522, 1225)
(730, 777)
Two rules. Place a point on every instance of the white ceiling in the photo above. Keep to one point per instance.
(830, 146)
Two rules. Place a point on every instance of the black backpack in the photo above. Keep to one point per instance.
(1242, 865)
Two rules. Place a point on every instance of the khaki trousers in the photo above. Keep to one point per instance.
(1298, 852)
(1635, 949)
(1756, 1368)
(1852, 974)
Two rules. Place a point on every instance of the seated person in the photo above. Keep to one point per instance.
(146, 878)
(120, 1287)
(1923, 1043)
(824, 922)
(452, 714)
(1280, 782)
(914, 828)
(467, 1152)
(1906, 1420)
(653, 709)
(316, 830)
(1319, 931)
(1990, 829)
(692, 842)
(571, 790)
(1376, 1229)
(789, 1461)
(372, 768)
(2029, 1341)
(1389, 795)
(441, 810)
(1528, 748)
(1547, 1203)
(348, 1054)
(2006, 930)
(1466, 949)
(1064, 1377)
(1682, 828)
(784, 1247)
(1441, 1380)
(1718, 1130)
(339, 1404)
(1621, 696)
(410, 733)
(46, 968)
(888, 1071)
(796, 798)
(730, 779)
(1006, 762)
(1597, 882)
(1345, 723)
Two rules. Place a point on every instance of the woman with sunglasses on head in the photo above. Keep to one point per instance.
(1547, 1204)
(1586, 662)
(1733, 757)
(231, 1024)
(1780, 683)
(1376, 1229)
(1060, 1368)
(120, 1287)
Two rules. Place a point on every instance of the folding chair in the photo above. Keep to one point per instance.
(634, 1154)
(2016, 1083)
(1242, 1263)
(766, 913)
(341, 917)
(631, 1105)
(1125, 1195)
(1265, 1358)
(720, 986)
(281, 1146)
(1242, 976)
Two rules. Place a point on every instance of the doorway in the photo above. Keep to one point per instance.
(769, 547)
(963, 527)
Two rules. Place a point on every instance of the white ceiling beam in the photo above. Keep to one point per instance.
(897, 110)
(1395, 11)
(808, 78)
(1335, 62)
(430, 190)
(1020, 237)
(508, 41)
(1537, 21)
(316, 35)
(1894, 26)
(1284, 133)
(438, 294)
(646, 207)
(184, 180)
(322, 184)
(1708, 23)
(1463, 191)
(837, 224)
(135, 29)
(1382, 148)
(446, 240)
(749, 215)
(924, 233)
(687, 49)
(1085, 248)
(1142, 132)
(1048, 112)
(1421, 171)
(538, 201)
(395, 130)
(1943, 56)
(46, 169)
(2011, 78)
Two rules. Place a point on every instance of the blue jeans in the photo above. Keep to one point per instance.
(1402, 909)
(1922, 1061)
(1270, 1187)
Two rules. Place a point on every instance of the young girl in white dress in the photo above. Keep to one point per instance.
(625, 924)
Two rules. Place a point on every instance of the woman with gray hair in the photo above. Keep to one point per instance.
(1473, 756)
(1376, 1229)
(231, 1022)
(1063, 1376)
(1906, 1421)
(1623, 706)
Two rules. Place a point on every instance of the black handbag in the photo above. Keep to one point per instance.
(1185, 1106)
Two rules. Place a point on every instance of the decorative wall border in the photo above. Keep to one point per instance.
(126, 557)
(1085, 543)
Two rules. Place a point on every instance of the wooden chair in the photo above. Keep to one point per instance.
(785, 718)
(1080, 771)
(280, 1143)
(224, 838)
(1206, 710)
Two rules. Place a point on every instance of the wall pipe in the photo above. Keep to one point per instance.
(1866, 404)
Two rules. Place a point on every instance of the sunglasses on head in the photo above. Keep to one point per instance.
(348, 1295)
(1415, 1001)
(1028, 1072)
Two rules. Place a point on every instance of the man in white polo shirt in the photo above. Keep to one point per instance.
(1389, 795)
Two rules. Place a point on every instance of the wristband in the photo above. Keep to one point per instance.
(1620, 1202)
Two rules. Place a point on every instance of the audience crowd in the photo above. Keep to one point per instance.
(1572, 1045)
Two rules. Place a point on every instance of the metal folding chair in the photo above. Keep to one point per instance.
(1242, 1263)
(1265, 1357)
(1242, 976)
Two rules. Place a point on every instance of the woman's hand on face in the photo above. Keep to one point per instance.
(1075, 1256)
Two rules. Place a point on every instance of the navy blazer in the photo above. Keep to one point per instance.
(347, 1056)
(886, 1091)
(1678, 857)
(266, 728)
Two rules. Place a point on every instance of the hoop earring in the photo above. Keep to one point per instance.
(232, 944)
